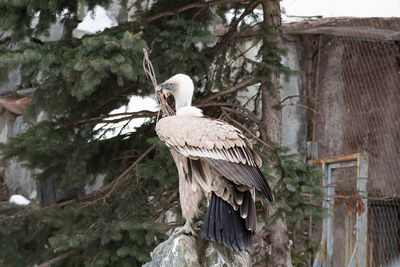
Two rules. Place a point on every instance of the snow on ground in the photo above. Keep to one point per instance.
(19, 200)
(136, 103)
(97, 20)
(340, 8)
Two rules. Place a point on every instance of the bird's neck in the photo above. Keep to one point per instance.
(179, 103)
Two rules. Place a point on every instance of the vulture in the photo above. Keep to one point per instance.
(213, 158)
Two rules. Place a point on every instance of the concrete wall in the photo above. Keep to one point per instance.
(294, 123)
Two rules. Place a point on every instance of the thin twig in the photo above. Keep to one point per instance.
(246, 129)
(248, 116)
(129, 115)
(241, 53)
(61, 257)
(148, 68)
(161, 98)
(234, 89)
(245, 110)
(293, 96)
(300, 105)
(123, 127)
(86, 199)
(114, 183)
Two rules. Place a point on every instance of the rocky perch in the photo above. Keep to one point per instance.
(186, 250)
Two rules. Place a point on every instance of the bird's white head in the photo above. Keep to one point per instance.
(181, 87)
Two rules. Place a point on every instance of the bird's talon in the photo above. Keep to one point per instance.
(187, 229)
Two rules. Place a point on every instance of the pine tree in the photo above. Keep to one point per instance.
(80, 81)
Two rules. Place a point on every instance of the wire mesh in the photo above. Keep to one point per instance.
(356, 73)
(384, 231)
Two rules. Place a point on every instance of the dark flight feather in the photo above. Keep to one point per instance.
(226, 226)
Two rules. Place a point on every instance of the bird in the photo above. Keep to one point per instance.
(214, 159)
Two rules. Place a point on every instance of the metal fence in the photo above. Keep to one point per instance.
(356, 84)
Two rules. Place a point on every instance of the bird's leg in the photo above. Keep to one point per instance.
(186, 229)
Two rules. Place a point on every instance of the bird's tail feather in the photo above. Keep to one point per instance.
(224, 225)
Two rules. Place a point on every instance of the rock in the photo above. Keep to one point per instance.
(119, 11)
(27, 92)
(185, 250)
(55, 31)
(4, 35)
(124, 14)
(217, 255)
(179, 251)
(20, 126)
(42, 117)
(49, 192)
(96, 185)
(6, 126)
(20, 180)
(17, 178)
(13, 82)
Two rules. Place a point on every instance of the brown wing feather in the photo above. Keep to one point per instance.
(228, 151)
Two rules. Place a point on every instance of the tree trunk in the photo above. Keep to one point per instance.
(272, 120)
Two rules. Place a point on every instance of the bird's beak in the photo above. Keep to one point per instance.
(166, 87)
(159, 88)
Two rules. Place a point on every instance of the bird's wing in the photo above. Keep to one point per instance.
(218, 143)
(189, 192)
(197, 173)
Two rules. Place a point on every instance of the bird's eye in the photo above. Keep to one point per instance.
(169, 86)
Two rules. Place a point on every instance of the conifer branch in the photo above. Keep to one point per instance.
(113, 185)
(190, 6)
(86, 199)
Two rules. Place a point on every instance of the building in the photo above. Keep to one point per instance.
(344, 104)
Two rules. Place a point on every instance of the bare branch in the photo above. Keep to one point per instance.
(300, 105)
(247, 130)
(234, 89)
(88, 198)
(190, 6)
(129, 116)
(61, 257)
(246, 112)
(294, 96)
(114, 183)
(243, 114)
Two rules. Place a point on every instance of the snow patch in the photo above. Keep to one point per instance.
(97, 20)
(136, 103)
(19, 200)
(258, 16)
